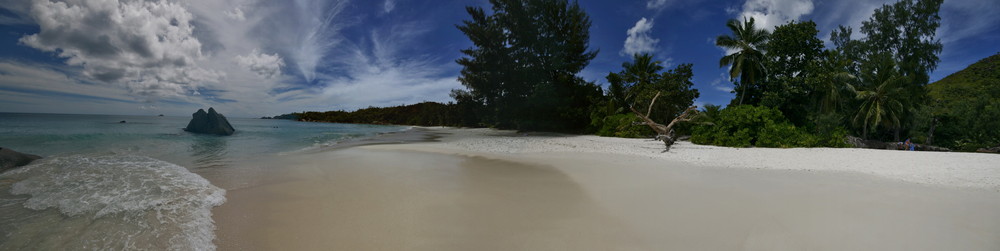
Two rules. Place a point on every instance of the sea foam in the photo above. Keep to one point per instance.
(107, 202)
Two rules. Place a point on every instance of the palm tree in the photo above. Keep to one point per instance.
(747, 62)
(636, 75)
(832, 82)
(882, 102)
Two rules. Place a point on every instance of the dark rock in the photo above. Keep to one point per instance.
(10, 159)
(121, 122)
(989, 150)
(875, 144)
(209, 123)
(920, 147)
(870, 144)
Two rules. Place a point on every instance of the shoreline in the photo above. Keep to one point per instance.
(501, 190)
(945, 169)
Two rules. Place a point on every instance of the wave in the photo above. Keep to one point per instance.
(107, 201)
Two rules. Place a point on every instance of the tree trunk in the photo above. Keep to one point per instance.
(664, 132)
(744, 92)
(930, 133)
(895, 132)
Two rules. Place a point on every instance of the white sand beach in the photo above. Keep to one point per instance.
(483, 189)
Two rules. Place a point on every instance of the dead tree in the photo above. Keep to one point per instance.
(664, 132)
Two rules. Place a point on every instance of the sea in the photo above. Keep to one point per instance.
(110, 182)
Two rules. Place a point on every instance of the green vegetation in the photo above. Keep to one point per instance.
(747, 63)
(422, 114)
(793, 51)
(873, 87)
(635, 86)
(622, 125)
(791, 91)
(746, 125)
(964, 108)
(521, 71)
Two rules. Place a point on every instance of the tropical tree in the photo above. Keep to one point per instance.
(521, 72)
(906, 29)
(882, 95)
(792, 51)
(831, 82)
(747, 62)
(641, 80)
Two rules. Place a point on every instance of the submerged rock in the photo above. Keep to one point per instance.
(209, 123)
(10, 159)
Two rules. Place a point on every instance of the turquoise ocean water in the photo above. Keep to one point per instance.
(110, 185)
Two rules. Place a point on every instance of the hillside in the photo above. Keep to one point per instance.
(968, 82)
(967, 106)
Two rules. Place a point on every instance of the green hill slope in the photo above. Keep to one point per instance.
(967, 106)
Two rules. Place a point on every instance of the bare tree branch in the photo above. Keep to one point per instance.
(650, 109)
(664, 132)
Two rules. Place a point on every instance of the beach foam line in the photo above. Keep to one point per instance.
(107, 201)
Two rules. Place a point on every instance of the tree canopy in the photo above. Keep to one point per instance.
(747, 62)
(639, 80)
(521, 71)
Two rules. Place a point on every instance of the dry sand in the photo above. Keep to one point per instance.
(482, 189)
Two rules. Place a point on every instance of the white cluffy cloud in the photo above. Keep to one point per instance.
(147, 46)
(265, 65)
(770, 13)
(246, 57)
(638, 40)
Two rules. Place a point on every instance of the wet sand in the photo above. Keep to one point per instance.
(396, 197)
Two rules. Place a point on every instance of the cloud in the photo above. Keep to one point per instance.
(270, 57)
(967, 19)
(770, 13)
(389, 6)
(235, 14)
(314, 35)
(657, 4)
(15, 12)
(36, 78)
(722, 83)
(385, 70)
(638, 40)
(960, 20)
(146, 46)
(265, 65)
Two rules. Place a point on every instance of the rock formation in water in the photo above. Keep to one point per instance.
(209, 123)
(10, 159)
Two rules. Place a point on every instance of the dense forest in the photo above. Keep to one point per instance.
(790, 89)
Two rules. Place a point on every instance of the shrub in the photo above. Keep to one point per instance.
(784, 135)
(737, 126)
(745, 126)
(622, 125)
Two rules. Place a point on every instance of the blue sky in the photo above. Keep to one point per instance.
(253, 58)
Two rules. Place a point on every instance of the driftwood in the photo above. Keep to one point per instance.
(664, 132)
